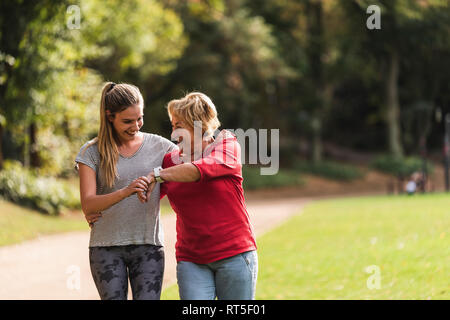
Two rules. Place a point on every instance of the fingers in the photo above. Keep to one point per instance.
(150, 189)
(143, 187)
(142, 196)
(139, 185)
(93, 217)
(151, 177)
(145, 179)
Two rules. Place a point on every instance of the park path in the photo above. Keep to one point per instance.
(48, 267)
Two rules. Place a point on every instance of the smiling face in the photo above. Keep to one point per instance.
(128, 122)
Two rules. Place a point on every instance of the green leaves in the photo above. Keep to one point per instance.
(45, 194)
(139, 35)
(401, 167)
(330, 170)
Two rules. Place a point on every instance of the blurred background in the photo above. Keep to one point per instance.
(336, 90)
(358, 110)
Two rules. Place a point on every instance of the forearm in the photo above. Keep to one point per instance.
(99, 203)
(185, 172)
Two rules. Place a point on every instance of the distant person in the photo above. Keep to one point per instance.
(415, 183)
(411, 187)
(216, 247)
(126, 235)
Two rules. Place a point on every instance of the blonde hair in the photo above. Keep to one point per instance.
(195, 106)
(115, 98)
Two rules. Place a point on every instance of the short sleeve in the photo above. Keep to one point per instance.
(162, 190)
(223, 160)
(168, 145)
(87, 156)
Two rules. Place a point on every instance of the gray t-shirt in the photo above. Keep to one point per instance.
(129, 221)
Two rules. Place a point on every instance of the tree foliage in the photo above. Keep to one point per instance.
(308, 67)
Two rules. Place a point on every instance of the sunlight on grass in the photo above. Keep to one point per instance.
(18, 224)
(324, 253)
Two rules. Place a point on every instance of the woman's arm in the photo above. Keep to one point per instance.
(185, 172)
(91, 203)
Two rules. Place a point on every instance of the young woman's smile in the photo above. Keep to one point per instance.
(128, 122)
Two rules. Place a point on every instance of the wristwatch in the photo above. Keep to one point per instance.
(157, 176)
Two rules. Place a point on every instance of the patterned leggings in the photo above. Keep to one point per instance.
(111, 266)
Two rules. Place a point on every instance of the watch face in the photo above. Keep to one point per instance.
(156, 173)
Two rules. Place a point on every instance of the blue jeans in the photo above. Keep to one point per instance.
(232, 278)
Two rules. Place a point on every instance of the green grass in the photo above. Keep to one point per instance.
(18, 224)
(324, 252)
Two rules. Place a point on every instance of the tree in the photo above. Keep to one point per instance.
(406, 27)
(311, 37)
(20, 15)
(49, 67)
(232, 56)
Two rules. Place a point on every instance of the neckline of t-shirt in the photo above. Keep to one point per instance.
(223, 134)
(137, 151)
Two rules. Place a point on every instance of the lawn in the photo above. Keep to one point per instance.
(387, 247)
(18, 224)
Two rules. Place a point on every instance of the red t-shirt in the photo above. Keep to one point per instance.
(212, 219)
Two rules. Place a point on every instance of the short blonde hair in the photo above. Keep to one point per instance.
(195, 106)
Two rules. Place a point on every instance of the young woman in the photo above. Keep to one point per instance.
(126, 239)
(216, 248)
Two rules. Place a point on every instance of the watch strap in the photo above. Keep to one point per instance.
(157, 175)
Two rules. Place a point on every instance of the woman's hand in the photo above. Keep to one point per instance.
(144, 196)
(139, 185)
(93, 217)
(93, 203)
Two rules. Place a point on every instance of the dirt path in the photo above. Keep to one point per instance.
(45, 268)
(49, 267)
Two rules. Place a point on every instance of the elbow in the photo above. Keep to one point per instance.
(86, 207)
(195, 174)
(86, 210)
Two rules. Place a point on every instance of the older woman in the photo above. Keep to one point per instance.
(216, 248)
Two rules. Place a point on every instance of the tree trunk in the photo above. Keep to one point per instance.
(35, 160)
(393, 106)
(316, 139)
(315, 52)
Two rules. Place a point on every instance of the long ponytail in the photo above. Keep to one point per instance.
(115, 98)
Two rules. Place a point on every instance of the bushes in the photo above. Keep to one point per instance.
(48, 195)
(292, 177)
(254, 180)
(330, 170)
(400, 167)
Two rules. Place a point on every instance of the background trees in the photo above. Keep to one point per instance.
(308, 67)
